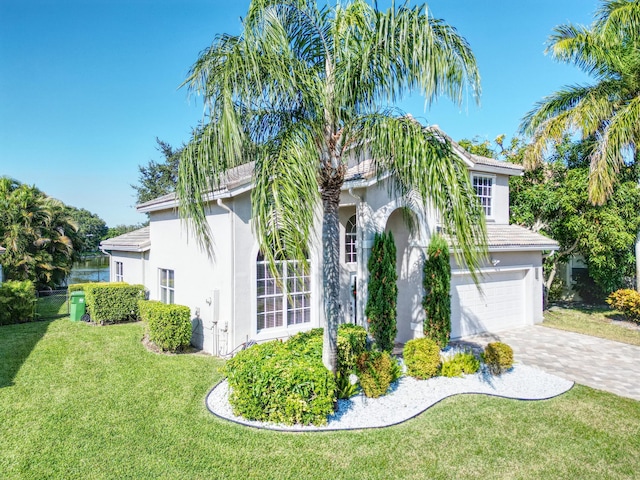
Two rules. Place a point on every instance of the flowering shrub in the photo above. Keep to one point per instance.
(627, 301)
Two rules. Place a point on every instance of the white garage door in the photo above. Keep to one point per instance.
(500, 305)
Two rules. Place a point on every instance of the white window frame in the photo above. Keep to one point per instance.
(290, 299)
(166, 285)
(485, 197)
(350, 242)
(119, 273)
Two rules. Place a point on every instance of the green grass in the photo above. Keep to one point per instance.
(599, 321)
(79, 401)
(54, 306)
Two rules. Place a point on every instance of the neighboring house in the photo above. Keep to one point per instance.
(2, 250)
(234, 298)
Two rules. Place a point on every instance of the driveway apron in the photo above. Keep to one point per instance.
(595, 362)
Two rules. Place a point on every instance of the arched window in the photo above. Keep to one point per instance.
(350, 253)
(288, 299)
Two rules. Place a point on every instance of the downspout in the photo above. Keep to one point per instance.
(110, 260)
(228, 327)
(361, 287)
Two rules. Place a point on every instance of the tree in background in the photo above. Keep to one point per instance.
(122, 229)
(381, 310)
(39, 234)
(158, 178)
(437, 288)
(554, 199)
(300, 91)
(607, 111)
(91, 229)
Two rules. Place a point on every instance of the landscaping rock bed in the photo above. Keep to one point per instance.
(410, 397)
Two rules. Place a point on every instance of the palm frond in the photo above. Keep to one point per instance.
(423, 162)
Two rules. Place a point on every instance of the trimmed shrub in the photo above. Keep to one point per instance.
(422, 357)
(352, 342)
(17, 302)
(498, 357)
(377, 371)
(113, 302)
(627, 301)
(383, 292)
(461, 363)
(437, 287)
(169, 326)
(281, 383)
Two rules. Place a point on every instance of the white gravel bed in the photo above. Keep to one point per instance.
(410, 397)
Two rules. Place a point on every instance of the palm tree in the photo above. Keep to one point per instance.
(38, 233)
(607, 111)
(300, 90)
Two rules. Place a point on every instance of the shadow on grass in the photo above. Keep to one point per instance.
(16, 344)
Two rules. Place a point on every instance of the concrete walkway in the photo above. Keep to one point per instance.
(595, 362)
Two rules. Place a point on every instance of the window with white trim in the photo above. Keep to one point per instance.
(167, 286)
(285, 303)
(350, 253)
(483, 185)
(119, 276)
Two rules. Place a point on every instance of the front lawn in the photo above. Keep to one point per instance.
(598, 321)
(79, 401)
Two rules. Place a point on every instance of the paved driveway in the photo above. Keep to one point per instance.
(598, 363)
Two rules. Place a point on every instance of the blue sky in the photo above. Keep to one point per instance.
(86, 86)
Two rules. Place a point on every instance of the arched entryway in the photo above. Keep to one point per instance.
(409, 262)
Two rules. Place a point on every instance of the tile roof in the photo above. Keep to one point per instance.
(136, 241)
(510, 236)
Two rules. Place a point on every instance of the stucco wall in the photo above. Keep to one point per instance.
(135, 267)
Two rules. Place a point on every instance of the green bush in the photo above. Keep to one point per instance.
(422, 357)
(17, 302)
(377, 371)
(169, 326)
(282, 383)
(383, 292)
(461, 363)
(498, 357)
(437, 287)
(352, 342)
(627, 301)
(113, 302)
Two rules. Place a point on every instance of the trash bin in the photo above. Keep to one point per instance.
(77, 306)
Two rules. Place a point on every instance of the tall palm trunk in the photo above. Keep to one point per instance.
(330, 192)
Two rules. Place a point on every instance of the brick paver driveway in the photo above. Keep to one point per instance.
(595, 362)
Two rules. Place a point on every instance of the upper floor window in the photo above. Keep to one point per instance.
(350, 253)
(167, 286)
(483, 185)
(283, 303)
(119, 277)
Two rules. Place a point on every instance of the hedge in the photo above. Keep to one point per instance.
(281, 383)
(17, 302)
(169, 326)
(111, 302)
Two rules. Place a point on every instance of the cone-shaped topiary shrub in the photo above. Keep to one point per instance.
(422, 357)
(437, 287)
(383, 292)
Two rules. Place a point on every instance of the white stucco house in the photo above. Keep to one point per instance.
(234, 299)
